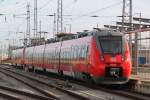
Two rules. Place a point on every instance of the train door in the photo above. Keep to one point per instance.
(59, 61)
(33, 53)
(43, 58)
(23, 56)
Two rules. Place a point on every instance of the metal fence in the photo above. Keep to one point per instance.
(142, 72)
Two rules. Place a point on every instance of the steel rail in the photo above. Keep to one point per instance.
(8, 96)
(125, 93)
(129, 94)
(22, 93)
(75, 95)
(46, 93)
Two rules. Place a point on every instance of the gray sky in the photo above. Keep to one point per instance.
(81, 10)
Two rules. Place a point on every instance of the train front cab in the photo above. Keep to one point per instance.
(110, 59)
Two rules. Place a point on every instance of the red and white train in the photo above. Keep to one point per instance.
(101, 56)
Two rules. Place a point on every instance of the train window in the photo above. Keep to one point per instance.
(38, 56)
(53, 55)
(79, 51)
(31, 55)
(28, 55)
(47, 57)
(68, 54)
(57, 55)
(34, 57)
(65, 55)
(76, 52)
(82, 52)
(87, 50)
(111, 44)
(50, 57)
(61, 55)
(72, 52)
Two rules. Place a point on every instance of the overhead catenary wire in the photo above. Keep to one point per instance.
(45, 5)
(98, 10)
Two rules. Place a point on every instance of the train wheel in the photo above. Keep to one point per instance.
(32, 69)
(21, 67)
(44, 69)
(89, 80)
(60, 72)
(26, 68)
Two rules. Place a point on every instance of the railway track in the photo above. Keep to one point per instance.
(125, 91)
(130, 94)
(14, 94)
(47, 89)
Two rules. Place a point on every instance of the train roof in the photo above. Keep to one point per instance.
(105, 32)
(85, 33)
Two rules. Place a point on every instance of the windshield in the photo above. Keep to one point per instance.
(111, 44)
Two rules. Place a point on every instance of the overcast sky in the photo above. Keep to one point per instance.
(81, 10)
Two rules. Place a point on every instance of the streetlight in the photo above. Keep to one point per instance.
(54, 23)
(69, 27)
(95, 16)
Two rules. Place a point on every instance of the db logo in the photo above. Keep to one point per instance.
(113, 59)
